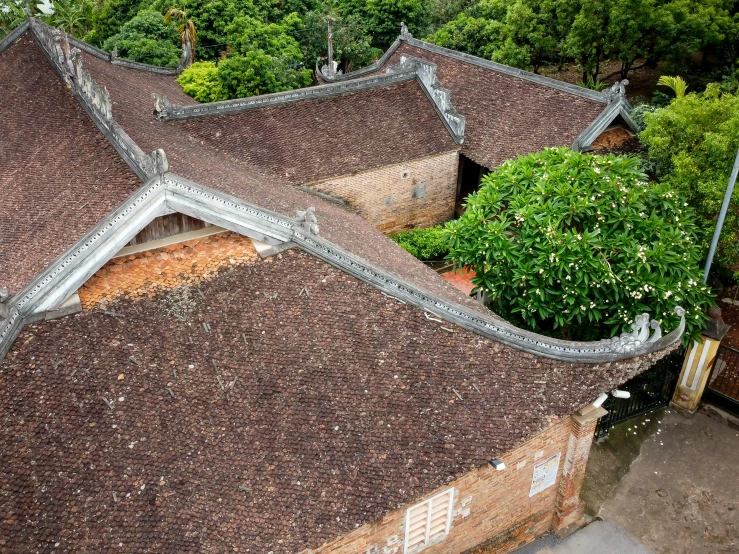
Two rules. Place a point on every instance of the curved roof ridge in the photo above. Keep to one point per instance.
(406, 37)
(171, 192)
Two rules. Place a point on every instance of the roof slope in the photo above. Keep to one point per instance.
(323, 436)
(58, 173)
(201, 162)
(507, 114)
(316, 139)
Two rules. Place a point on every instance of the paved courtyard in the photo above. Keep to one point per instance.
(663, 483)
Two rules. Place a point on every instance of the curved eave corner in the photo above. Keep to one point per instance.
(168, 192)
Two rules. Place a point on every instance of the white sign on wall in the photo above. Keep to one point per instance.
(545, 474)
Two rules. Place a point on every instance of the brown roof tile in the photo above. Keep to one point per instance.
(315, 139)
(201, 162)
(317, 436)
(58, 173)
(506, 116)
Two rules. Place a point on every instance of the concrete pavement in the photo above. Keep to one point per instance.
(600, 537)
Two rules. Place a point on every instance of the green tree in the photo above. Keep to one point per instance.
(385, 16)
(12, 14)
(587, 40)
(248, 75)
(693, 142)
(109, 18)
(201, 81)
(211, 18)
(352, 43)
(147, 39)
(578, 245)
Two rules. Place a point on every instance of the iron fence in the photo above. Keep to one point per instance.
(650, 390)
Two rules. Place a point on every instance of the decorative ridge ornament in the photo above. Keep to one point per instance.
(307, 220)
(616, 92)
(405, 34)
(439, 95)
(68, 61)
(163, 108)
(639, 334)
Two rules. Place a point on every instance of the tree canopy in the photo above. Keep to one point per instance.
(577, 245)
(693, 143)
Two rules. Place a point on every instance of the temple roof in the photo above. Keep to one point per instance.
(58, 174)
(509, 111)
(132, 429)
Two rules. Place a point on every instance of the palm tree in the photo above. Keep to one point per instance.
(188, 35)
(676, 84)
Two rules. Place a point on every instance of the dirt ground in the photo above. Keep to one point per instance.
(670, 481)
(730, 315)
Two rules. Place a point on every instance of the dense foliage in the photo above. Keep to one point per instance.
(692, 143)
(523, 33)
(428, 244)
(577, 245)
(528, 33)
(146, 38)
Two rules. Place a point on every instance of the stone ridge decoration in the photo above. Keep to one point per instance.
(165, 110)
(67, 61)
(407, 37)
(628, 345)
(616, 92)
(441, 97)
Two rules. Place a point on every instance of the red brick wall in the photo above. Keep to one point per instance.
(165, 268)
(385, 196)
(610, 139)
(493, 512)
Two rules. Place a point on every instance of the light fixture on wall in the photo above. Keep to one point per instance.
(599, 401)
(497, 464)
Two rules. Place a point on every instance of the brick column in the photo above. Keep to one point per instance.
(569, 509)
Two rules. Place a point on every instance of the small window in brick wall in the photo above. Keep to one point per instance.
(428, 522)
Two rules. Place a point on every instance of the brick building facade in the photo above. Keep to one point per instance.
(496, 510)
(417, 193)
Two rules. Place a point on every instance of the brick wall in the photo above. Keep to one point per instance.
(166, 267)
(493, 513)
(610, 139)
(418, 193)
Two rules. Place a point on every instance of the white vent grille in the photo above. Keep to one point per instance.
(428, 521)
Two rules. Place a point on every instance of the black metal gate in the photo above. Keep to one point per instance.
(722, 389)
(649, 390)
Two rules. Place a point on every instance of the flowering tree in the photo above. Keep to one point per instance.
(578, 245)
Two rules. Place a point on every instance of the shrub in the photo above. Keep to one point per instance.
(578, 245)
(430, 243)
(200, 81)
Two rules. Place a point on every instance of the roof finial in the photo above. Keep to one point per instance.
(405, 34)
(307, 219)
(616, 92)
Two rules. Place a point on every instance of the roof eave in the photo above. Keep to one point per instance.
(619, 107)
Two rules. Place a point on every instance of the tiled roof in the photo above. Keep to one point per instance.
(198, 160)
(315, 437)
(316, 139)
(58, 173)
(506, 115)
